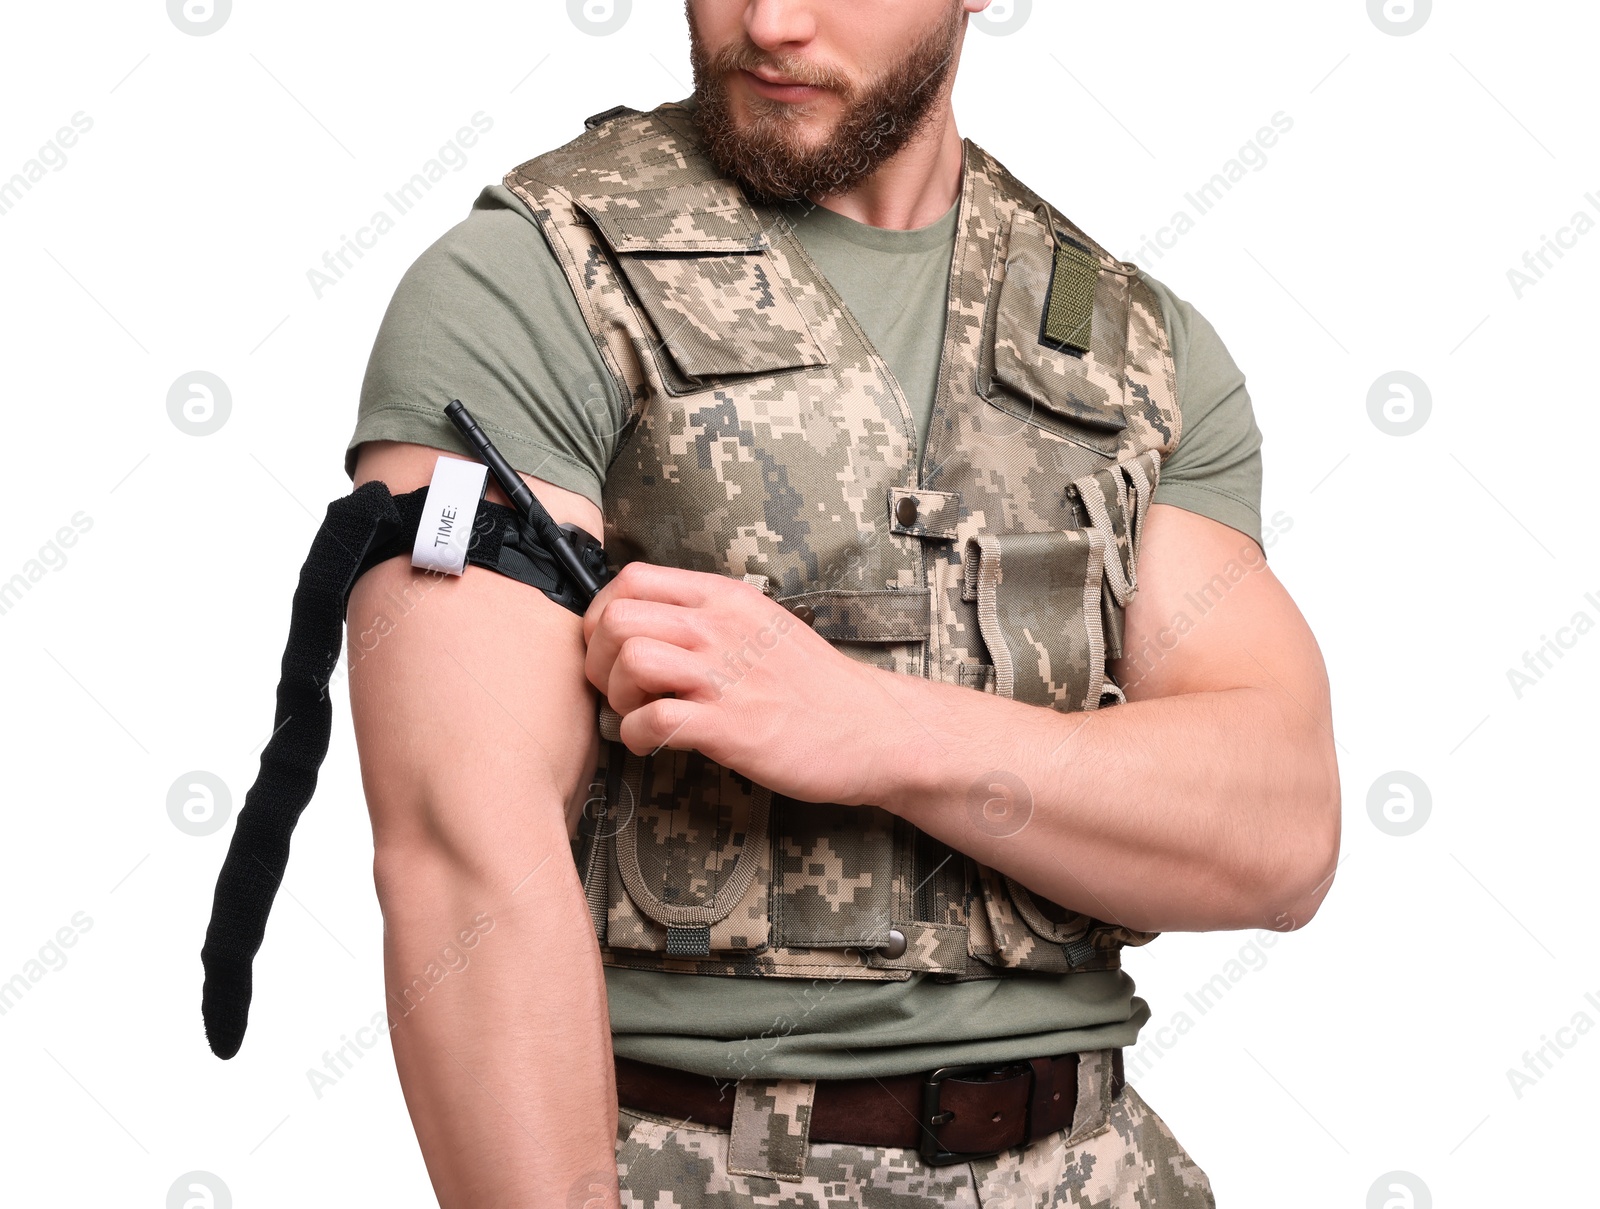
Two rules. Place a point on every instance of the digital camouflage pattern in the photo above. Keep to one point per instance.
(771, 1130)
(766, 439)
(1118, 1154)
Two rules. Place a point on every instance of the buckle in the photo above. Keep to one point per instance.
(932, 1116)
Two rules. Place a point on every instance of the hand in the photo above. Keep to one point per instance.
(706, 662)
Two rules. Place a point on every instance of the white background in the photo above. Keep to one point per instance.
(219, 169)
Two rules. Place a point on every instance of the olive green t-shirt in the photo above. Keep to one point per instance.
(487, 316)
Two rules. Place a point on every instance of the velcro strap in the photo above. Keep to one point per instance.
(1069, 316)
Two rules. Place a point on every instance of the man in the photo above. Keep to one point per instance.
(866, 426)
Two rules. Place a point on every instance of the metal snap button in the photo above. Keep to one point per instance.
(805, 613)
(906, 511)
(895, 946)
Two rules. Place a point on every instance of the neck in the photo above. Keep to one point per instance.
(915, 187)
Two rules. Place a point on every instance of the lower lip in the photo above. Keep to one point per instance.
(792, 93)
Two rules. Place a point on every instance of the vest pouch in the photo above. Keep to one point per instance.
(1071, 391)
(1039, 612)
(836, 875)
(1016, 930)
(1114, 502)
(710, 281)
(691, 856)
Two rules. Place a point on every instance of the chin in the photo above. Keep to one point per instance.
(806, 126)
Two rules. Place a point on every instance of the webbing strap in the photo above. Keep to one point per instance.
(361, 530)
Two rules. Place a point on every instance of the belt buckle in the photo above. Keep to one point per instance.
(932, 1116)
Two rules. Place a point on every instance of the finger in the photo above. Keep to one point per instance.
(670, 722)
(646, 669)
(631, 617)
(649, 581)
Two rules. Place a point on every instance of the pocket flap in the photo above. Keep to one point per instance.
(706, 274)
(1038, 597)
(721, 314)
(711, 216)
(1044, 303)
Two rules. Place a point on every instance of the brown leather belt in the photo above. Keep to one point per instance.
(949, 1115)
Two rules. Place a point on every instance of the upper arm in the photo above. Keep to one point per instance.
(1216, 468)
(486, 315)
(1210, 615)
(473, 719)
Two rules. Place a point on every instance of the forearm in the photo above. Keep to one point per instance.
(503, 1049)
(1190, 812)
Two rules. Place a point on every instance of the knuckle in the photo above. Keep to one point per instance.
(634, 655)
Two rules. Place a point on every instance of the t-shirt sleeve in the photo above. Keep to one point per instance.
(1216, 469)
(485, 315)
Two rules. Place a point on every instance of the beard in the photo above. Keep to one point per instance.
(768, 155)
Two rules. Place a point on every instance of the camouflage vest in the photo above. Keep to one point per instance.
(767, 439)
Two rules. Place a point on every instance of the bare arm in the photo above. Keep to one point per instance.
(477, 739)
(1209, 800)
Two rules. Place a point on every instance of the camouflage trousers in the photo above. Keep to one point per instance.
(1117, 1153)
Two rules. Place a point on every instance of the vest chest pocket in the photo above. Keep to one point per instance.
(709, 281)
(1059, 339)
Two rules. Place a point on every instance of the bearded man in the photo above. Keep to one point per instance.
(809, 850)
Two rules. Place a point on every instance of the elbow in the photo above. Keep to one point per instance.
(1302, 859)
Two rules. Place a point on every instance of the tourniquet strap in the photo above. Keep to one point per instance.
(361, 530)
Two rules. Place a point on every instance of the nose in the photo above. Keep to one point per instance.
(780, 25)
